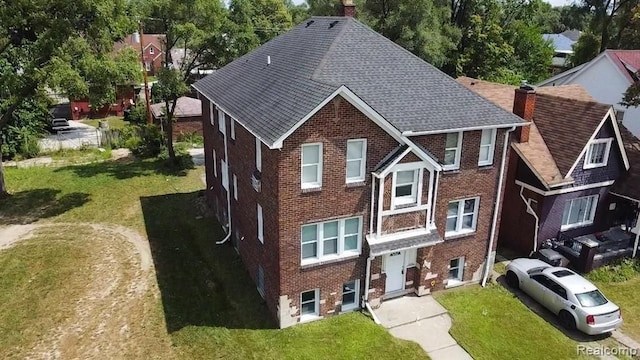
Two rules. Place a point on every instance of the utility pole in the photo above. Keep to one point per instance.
(144, 74)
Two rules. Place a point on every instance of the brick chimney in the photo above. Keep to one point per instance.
(348, 8)
(523, 105)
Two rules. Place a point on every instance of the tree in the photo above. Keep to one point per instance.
(531, 54)
(575, 17)
(325, 7)
(610, 19)
(585, 49)
(34, 32)
(299, 13)
(271, 18)
(241, 28)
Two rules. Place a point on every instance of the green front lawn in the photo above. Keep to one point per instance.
(625, 295)
(202, 304)
(491, 323)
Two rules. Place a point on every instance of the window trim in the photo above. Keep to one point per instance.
(260, 284)
(152, 50)
(356, 292)
(316, 306)
(235, 187)
(224, 169)
(319, 240)
(215, 164)
(607, 150)
(460, 271)
(460, 215)
(416, 186)
(362, 159)
(147, 66)
(258, 154)
(222, 127)
(592, 215)
(211, 120)
(458, 148)
(318, 183)
(232, 125)
(260, 224)
(492, 147)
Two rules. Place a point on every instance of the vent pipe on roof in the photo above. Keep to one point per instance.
(268, 59)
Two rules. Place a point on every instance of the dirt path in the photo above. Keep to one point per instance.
(114, 313)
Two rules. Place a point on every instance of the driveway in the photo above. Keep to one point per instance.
(425, 321)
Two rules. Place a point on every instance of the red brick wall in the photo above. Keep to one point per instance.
(187, 125)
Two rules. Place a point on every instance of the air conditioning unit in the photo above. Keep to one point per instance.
(256, 181)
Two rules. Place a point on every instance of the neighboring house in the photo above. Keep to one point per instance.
(154, 44)
(187, 115)
(346, 170)
(562, 169)
(606, 78)
(563, 49)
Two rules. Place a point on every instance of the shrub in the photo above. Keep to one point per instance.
(192, 138)
(137, 115)
(619, 271)
(184, 161)
(144, 141)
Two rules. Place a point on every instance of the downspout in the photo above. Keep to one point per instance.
(226, 156)
(373, 193)
(496, 210)
(535, 216)
(367, 281)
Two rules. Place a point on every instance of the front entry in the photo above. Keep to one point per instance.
(394, 268)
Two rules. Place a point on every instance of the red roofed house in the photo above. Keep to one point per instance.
(153, 49)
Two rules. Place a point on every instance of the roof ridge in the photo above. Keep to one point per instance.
(334, 43)
(608, 106)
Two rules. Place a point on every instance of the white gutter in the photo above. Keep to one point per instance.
(373, 193)
(434, 199)
(496, 210)
(471, 128)
(226, 156)
(535, 216)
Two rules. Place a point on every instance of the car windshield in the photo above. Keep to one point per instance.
(591, 298)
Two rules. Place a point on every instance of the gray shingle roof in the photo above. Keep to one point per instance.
(419, 241)
(314, 59)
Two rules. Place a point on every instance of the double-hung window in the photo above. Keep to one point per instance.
(309, 304)
(452, 148)
(331, 239)
(232, 125)
(221, 122)
(311, 173)
(211, 120)
(462, 216)
(456, 269)
(405, 187)
(597, 153)
(260, 280)
(356, 160)
(579, 212)
(258, 154)
(260, 225)
(350, 295)
(215, 164)
(235, 187)
(487, 146)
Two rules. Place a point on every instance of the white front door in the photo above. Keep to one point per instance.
(394, 268)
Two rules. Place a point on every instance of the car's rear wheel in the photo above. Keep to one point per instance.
(567, 320)
(512, 280)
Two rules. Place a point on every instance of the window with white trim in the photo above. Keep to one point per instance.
(215, 165)
(258, 154)
(221, 122)
(311, 173)
(452, 148)
(487, 147)
(225, 174)
(356, 160)
(410, 257)
(405, 187)
(579, 212)
(232, 124)
(260, 280)
(597, 153)
(235, 187)
(147, 66)
(211, 120)
(260, 225)
(456, 269)
(309, 304)
(331, 239)
(462, 216)
(152, 50)
(350, 292)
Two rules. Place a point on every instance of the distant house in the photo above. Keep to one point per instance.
(187, 115)
(563, 49)
(154, 45)
(606, 78)
(561, 174)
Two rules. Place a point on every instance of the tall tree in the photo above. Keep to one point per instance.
(585, 49)
(298, 12)
(325, 7)
(34, 32)
(271, 18)
(241, 28)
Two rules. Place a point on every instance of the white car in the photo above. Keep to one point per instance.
(577, 302)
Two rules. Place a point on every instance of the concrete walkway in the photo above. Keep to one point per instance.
(425, 321)
(197, 155)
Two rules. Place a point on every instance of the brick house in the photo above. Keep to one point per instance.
(154, 45)
(562, 169)
(347, 171)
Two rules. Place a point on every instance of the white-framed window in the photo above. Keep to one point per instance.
(258, 154)
(211, 120)
(356, 160)
(462, 216)
(152, 50)
(232, 124)
(260, 225)
(225, 174)
(260, 280)
(215, 164)
(309, 304)
(147, 66)
(579, 212)
(410, 256)
(405, 190)
(487, 147)
(311, 172)
(452, 149)
(350, 292)
(221, 122)
(597, 153)
(456, 269)
(235, 187)
(331, 239)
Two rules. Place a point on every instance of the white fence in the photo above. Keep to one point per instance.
(75, 138)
